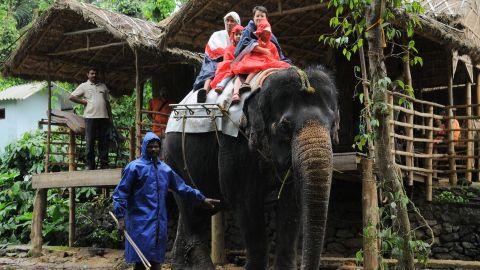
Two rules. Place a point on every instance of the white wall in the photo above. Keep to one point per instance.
(8, 126)
(22, 116)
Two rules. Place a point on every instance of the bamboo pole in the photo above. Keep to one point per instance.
(370, 216)
(477, 92)
(429, 161)
(409, 98)
(470, 143)
(462, 106)
(298, 10)
(451, 144)
(49, 126)
(410, 147)
(366, 99)
(138, 105)
(71, 194)
(132, 143)
(392, 128)
(88, 49)
(218, 254)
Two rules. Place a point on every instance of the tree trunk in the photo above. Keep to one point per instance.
(383, 159)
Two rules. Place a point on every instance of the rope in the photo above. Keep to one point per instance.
(185, 166)
(283, 181)
(304, 80)
(375, 24)
(216, 129)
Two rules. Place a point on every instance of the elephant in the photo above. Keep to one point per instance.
(285, 143)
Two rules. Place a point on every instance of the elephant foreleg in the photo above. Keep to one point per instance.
(288, 218)
(252, 224)
(190, 249)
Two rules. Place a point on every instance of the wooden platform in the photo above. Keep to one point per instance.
(342, 162)
(349, 161)
(96, 178)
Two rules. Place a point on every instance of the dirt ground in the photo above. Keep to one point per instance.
(17, 257)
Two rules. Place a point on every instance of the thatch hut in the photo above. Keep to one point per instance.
(71, 36)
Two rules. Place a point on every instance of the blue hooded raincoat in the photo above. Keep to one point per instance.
(139, 198)
(249, 39)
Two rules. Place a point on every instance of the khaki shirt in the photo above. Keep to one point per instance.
(97, 98)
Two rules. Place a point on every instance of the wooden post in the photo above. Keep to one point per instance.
(392, 126)
(71, 195)
(219, 256)
(451, 144)
(470, 143)
(366, 98)
(429, 161)
(49, 127)
(132, 143)
(478, 114)
(138, 105)
(40, 202)
(370, 216)
(409, 160)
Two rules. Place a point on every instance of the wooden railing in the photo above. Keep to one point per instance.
(417, 151)
(147, 124)
(68, 148)
(418, 145)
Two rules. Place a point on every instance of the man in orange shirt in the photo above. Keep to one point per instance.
(159, 103)
(456, 132)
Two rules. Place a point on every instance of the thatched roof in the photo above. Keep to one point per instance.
(45, 52)
(297, 24)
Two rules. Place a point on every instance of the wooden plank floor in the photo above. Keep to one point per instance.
(342, 162)
(94, 178)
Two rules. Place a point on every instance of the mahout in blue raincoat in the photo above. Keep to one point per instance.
(139, 198)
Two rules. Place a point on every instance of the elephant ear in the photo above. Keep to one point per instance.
(255, 111)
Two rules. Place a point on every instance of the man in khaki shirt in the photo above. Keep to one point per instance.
(97, 114)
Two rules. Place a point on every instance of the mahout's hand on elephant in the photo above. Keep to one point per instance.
(210, 203)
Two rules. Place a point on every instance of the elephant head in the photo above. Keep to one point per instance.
(293, 117)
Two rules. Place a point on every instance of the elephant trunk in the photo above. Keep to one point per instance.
(312, 158)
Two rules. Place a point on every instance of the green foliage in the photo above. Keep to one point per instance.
(127, 7)
(95, 226)
(9, 32)
(449, 197)
(392, 240)
(157, 10)
(16, 16)
(123, 110)
(19, 161)
(15, 207)
(350, 26)
(9, 82)
(350, 31)
(25, 155)
(153, 10)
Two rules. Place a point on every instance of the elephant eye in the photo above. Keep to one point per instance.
(284, 130)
